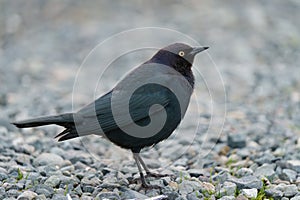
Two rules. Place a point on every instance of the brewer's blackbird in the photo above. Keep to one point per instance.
(144, 108)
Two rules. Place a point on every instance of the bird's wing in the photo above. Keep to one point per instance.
(138, 107)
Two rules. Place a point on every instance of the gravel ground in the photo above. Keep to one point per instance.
(256, 47)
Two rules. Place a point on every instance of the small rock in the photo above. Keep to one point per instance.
(288, 190)
(208, 187)
(250, 193)
(131, 194)
(288, 175)
(194, 196)
(59, 197)
(108, 195)
(265, 158)
(196, 172)
(236, 140)
(3, 176)
(221, 177)
(228, 189)
(247, 182)
(48, 159)
(41, 197)
(266, 170)
(53, 181)
(27, 195)
(272, 192)
(186, 187)
(294, 165)
(45, 190)
(227, 198)
(244, 172)
(241, 197)
(13, 193)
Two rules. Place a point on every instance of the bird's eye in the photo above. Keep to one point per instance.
(181, 53)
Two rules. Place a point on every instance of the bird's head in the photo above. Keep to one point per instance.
(179, 56)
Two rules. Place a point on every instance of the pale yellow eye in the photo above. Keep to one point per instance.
(181, 53)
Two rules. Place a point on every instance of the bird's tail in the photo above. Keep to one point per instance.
(62, 120)
(65, 120)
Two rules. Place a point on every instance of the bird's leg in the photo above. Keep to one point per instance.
(148, 172)
(136, 158)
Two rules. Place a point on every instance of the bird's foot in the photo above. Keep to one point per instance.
(156, 175)
(150, 187)
(144, 184)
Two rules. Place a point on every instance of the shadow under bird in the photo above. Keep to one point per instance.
(144, 108)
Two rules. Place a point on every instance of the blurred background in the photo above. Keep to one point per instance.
(254, 44)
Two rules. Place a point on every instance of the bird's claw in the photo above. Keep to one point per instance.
(156, 175)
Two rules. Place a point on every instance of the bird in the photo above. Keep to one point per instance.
(143, 109)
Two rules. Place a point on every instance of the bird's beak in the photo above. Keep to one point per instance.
(198, 50)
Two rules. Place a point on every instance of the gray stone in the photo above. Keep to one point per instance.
(266, 170)
(266, 157)
(13, 193)
(194, 196)
(250, 193)
(41, 197)
(221, 177)
(88, 188)
(108, 195)
(59, 197)
(3, 176)
(272, 192)
(45, 190)
(247, 182)
(186, 187)
(241, 197)
(48, 159)
(78, 190)
(131, 194)
(170, 192)
(244, 172)
(288, 175)
(294, 165)
(227, 198)
(236, 140)
(3, 130)
(296, 198)
(228, 189)
(288, 190)
(196, 172)
(53, 181)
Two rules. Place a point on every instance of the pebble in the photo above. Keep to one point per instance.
(236, 140)
(53, 181)
(294, 165)
(27, 195)
(108, 195)
(244, 172)
(277, 194)
(288, 175)
(288, 190)
(250, 193)
(266, 170)
(48, 159)
(247, 182)
(228, 189)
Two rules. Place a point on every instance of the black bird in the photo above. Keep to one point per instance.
(144, 108)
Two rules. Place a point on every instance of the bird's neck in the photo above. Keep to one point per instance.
(182, 68)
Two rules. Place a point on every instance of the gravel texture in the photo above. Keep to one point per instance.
(256, 47)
